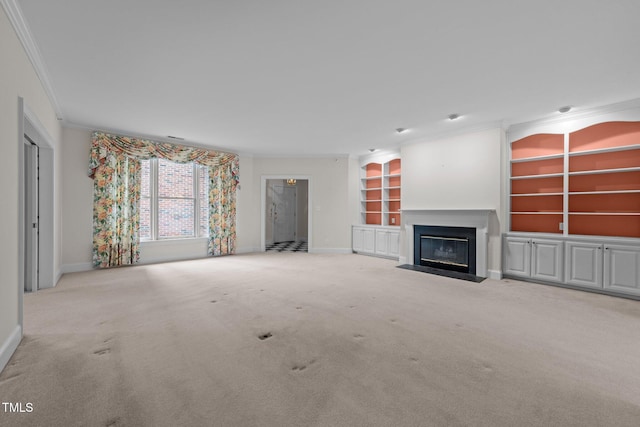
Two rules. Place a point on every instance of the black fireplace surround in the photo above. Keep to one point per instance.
(447, 248)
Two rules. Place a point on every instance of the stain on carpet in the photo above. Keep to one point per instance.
(265, 336)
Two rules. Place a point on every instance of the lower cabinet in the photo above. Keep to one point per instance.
(584, 264)
(600, 264)
(376, 240)
(539, 259)
(622, 268)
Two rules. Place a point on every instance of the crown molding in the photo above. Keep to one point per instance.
(574, 120)
(21, 28)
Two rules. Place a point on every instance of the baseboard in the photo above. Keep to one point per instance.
(74, 268)
(330, 250)
(248, 250)
(494, 274)
(402, 260)
(10, 346)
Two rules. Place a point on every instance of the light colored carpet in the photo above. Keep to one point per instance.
(292, 339)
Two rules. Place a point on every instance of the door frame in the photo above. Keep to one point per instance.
(29, 124)
(263, 208)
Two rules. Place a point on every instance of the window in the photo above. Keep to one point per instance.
(174, 200)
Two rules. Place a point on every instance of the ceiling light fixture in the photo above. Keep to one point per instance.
(372, 150)
(454, 116)
(291, 181)
(565, 109)
(401, 130)
(175, 137)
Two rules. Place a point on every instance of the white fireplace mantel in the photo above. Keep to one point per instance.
(474, 218)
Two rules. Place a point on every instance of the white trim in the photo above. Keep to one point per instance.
(21, 28)
(9, 346)
(494, 274)
(571, 122)
(263, 207)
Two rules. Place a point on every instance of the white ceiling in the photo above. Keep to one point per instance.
(300, 77)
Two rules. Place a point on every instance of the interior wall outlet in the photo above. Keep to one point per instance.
(393, 220)
(561, 226)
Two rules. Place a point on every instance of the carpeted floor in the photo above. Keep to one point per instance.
(297, 339)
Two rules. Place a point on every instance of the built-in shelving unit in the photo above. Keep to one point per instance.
(604, 180)
(585, 182)
(381, 193)
(537, 183)
(575, 202)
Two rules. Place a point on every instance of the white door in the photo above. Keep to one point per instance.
(517, 256)
(31, 216)
(284, 216)
(622, 268)
(546, 260)
(583, 264)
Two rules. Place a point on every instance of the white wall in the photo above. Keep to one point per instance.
(459, 172)
(328, 191)
(77, 200)
(18, 79)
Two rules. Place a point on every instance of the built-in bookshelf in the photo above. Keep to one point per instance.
(604, 180)
(585, 182)
(381, 193)
(537, 182)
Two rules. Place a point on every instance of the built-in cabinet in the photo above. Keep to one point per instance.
(574, 203)
(380, 192)
(535, 258)
(380, 241)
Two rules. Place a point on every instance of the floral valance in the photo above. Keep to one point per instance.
(103, 143)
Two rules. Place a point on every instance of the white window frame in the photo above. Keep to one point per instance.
(154, 203)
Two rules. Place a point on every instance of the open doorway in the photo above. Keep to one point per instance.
(286, 214)
(36, 207)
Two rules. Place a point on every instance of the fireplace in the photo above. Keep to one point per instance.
(447, 248)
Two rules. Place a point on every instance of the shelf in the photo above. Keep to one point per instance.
(393, 175)
(537, 213)
(547, 175)
(604, 150)
(602, 192)
(606, 213)
(600, 171)
(536, 194)
(392, 188)
(538, 158)
(370, 178)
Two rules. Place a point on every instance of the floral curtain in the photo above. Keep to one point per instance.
(116, 215)
(114, 165)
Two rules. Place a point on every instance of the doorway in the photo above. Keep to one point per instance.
(285, 214)
(36, 207)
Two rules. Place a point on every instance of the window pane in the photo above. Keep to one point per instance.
(175, 217)
(145, 178)
(145, 218)
(175, 179)
(203, 195)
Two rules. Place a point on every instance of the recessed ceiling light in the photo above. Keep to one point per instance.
(565, 109)
(454, 116)
(401, 130)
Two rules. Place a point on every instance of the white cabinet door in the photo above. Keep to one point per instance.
(394, 243)
(357, 242)
(517, 256)
(622, 268)
(583, 264)
(369, 246)
(546, 260)
(382, 242)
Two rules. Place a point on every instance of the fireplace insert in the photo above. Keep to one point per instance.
(447, 248)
